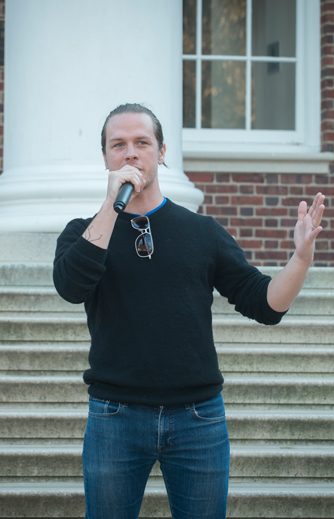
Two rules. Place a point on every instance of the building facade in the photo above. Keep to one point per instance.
(258, 109)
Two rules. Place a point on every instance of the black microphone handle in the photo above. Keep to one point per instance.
(123, 197)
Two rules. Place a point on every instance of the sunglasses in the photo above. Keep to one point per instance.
(144, 242)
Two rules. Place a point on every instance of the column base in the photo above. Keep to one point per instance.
(44, 199)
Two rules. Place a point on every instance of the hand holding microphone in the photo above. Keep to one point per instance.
(124, 182)
(123, 197)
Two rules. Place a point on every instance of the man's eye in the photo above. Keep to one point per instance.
(118, 145)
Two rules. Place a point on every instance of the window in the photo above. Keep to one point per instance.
(244, 74)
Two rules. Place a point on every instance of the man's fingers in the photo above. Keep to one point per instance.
(317, 209)
(302, 210)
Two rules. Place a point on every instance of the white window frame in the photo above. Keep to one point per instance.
(306, 137)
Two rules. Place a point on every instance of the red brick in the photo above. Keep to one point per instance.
(292, 201)
(324, 256)
(297, 178)
(271, 244)
(288, 223)
(327, 49)
(246, 189)
(208, 200)
(297, 190)
(215, 188)
(272, 200)
(271, 255)
(271, 190)
(221, 210)
(287, 244)
(250, 244)
(270, 233)
(246, 211)
(327, 125)
(247, 200)
(272, 178)
(326, 190)
(327, 147)
(228, 188)
(322, 245)
(246, 232)
(222, 200)
(271, 222)
(327, 104)
(248, 178)
(270, 211)
(247, 222)
(223, 177)
(327, 18)
(201, 177)
(327, 39)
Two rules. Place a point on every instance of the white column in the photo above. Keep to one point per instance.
(68, 63)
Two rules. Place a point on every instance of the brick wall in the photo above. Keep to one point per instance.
(260, 209)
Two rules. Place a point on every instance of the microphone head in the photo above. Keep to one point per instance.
(119, 206)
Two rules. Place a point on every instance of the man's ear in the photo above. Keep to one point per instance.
(105, 160)
(162, 153)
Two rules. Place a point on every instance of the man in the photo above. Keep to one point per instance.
(146, 277)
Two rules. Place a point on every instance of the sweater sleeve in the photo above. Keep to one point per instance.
(78, 265)
(244, 285)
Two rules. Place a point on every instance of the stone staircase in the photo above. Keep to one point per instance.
(279, 395)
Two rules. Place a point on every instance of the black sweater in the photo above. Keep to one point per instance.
(150, 319)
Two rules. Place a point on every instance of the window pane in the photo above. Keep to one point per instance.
(224, 27)
(274, 28)
(223, 94)
(189, 94)
(273, 96)
(189, 26)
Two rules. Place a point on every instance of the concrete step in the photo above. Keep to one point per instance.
(44, 357)
(250, 388)
(298, 388)
(279, 499)
(32, 327)
(281, 423)
(252, 461)
(45, 299)
(30, 273)
(245, 423)
(247, 500)
(296, 330)
(34, 299)
(39, 273)
(59, 421)
(276, 358)
(309, 302)
(270, 358)
(72, 327)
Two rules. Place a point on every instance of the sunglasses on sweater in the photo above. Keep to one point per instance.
(144, 242)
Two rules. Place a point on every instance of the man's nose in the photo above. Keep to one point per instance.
(130, 152)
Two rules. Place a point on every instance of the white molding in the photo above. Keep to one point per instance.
(258, 162)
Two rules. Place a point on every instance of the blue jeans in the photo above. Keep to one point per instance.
(123, 441)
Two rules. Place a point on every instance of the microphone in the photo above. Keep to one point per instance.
(123, 197)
